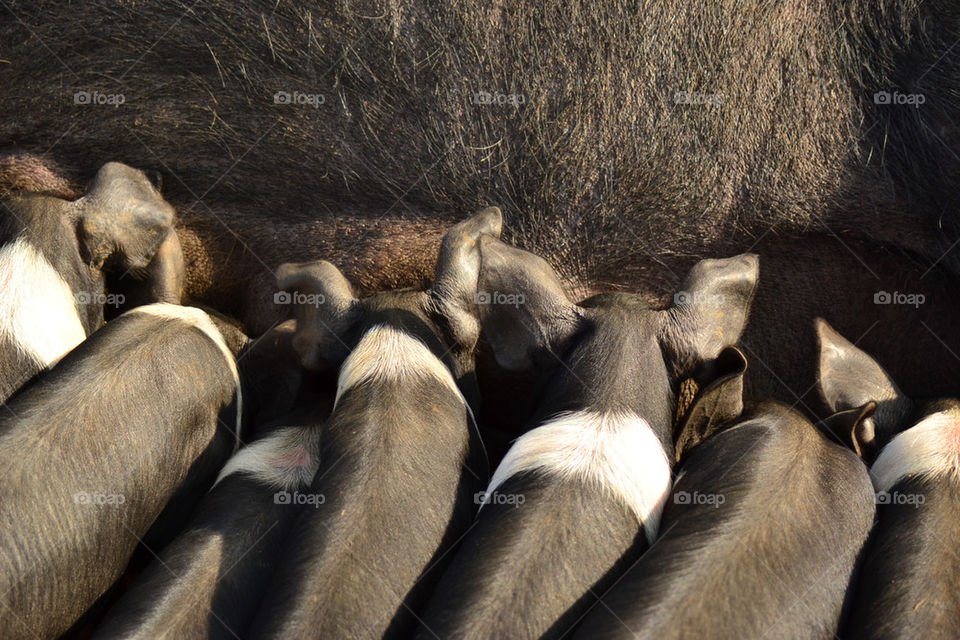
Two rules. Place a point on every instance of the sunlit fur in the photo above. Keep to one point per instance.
(199, 319)
(931, 447)
(285, 460)
(618, 452)
(387, 353)
(38, 311)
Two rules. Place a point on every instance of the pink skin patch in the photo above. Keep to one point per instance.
(950, 438)
(7, 280)
(286, 459)
(292, 459)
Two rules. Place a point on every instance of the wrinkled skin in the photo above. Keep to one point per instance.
(782, 151)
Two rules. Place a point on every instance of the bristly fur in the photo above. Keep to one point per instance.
(285, 460)
(388, 353)
(200, 320)
(930, 448)
(38, 312)
(618, 452)
(782, 129)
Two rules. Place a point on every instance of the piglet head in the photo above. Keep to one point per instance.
(331, 318)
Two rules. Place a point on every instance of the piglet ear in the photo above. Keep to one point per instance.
(162, 280)
(524, 311)
(320, 279)
(709, 312)
(123, 216)
(454, 289)
(855, 429)
(324, 307)
(849, 379)
(717, 404)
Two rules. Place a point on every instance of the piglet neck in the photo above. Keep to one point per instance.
(618, 383)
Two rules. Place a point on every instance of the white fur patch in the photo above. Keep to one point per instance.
(285, 460)
(385, 353)
(619, 452)
(931, 447)
(199, 319)
(38, 311)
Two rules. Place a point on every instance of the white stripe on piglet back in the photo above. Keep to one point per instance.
(385, 353)
(285, 460)
(38, 311)
(931, 447)
(617, 451)
(199, 319)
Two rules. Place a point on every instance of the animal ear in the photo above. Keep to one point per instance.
(855, 429)
(122, 216)
(524, 311)
(710, 311)
(161, 281)
(849, 378)
(454, 287)
(324, 307)
(166, 273)
(717, 404)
